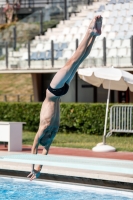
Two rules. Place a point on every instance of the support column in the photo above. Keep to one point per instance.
(37, 84)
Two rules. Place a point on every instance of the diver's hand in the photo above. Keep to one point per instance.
(34, 174)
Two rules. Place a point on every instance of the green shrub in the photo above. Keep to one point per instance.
(75, 117)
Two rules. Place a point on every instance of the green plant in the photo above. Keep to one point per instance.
(75, 117)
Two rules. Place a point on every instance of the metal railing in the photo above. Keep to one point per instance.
(16, 98)
(121, 119)
(40, 3)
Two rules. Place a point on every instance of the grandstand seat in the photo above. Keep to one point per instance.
(120, 35)
(82, 30)
(72, 46)
(56, 46)
(39, 47)
(130, 12)
(109, 7)
(112, 2)
(122, 13)
(58, 55)
(126, 43)
(116, 44)
(67, 54)
(90, 15)
(66, 31)
(122, 52)
(107, 28)
(125, 6)
(34, 56)
(119, 20)
(124, 27)
(112, 53)
(63, 46)
(128, 35)
(25, 56)
(47, 46)
(114, 13)
(111, 35)
(110, 21)
(112, 58)
(98, 44)
(73, 30)
(128, 20)
(121, 1)
(85, 22)
(78, 23)
(106, 14)
(109, 44)
(68, 38)
(101, 8)
(41, 56)
(116, 28)
(118, 6)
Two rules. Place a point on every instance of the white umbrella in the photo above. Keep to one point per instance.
(109, 78)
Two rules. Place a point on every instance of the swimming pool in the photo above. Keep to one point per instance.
(22, 189)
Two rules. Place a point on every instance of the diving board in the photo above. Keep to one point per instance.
(85, 163)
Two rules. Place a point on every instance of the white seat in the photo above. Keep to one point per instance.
(78, 23)
(68, 38)
(122, 52)
(53, 37)
(116, 44)
(109, 7)
(61, 38)
(90, 15)
(111, 35)
(130, 12)
(124, 27)
(117, 6)
(119, 20)
(126, 43)
(72, 46)
(86, 22)
(25, 56)
(98, 44)
(116, 28)
(112, 53)
(111, 21)
(114, 13)
(47, 46)
(106, 14)
(66, 31)
(77, 36)
(122, 13)
(120, 35)
(107, 28)
(67, 54)
(128, 35)
(94, 53)
(109, 44)
(131, 27)
(128, 20)
(125, 6)
(39, 47)
(74, 30)
(82, 30)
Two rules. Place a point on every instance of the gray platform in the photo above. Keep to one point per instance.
(112, 172)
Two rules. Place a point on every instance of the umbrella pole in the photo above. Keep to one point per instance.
(106, 116)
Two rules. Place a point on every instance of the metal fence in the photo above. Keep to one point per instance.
(16, 98)
(121, 119)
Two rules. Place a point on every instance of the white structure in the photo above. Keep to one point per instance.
(11, 132)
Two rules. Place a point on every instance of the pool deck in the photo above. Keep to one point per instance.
(112, 169)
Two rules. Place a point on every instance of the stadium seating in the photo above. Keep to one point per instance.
(117, 29)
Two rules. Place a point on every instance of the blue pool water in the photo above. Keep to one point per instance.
(21, 189)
